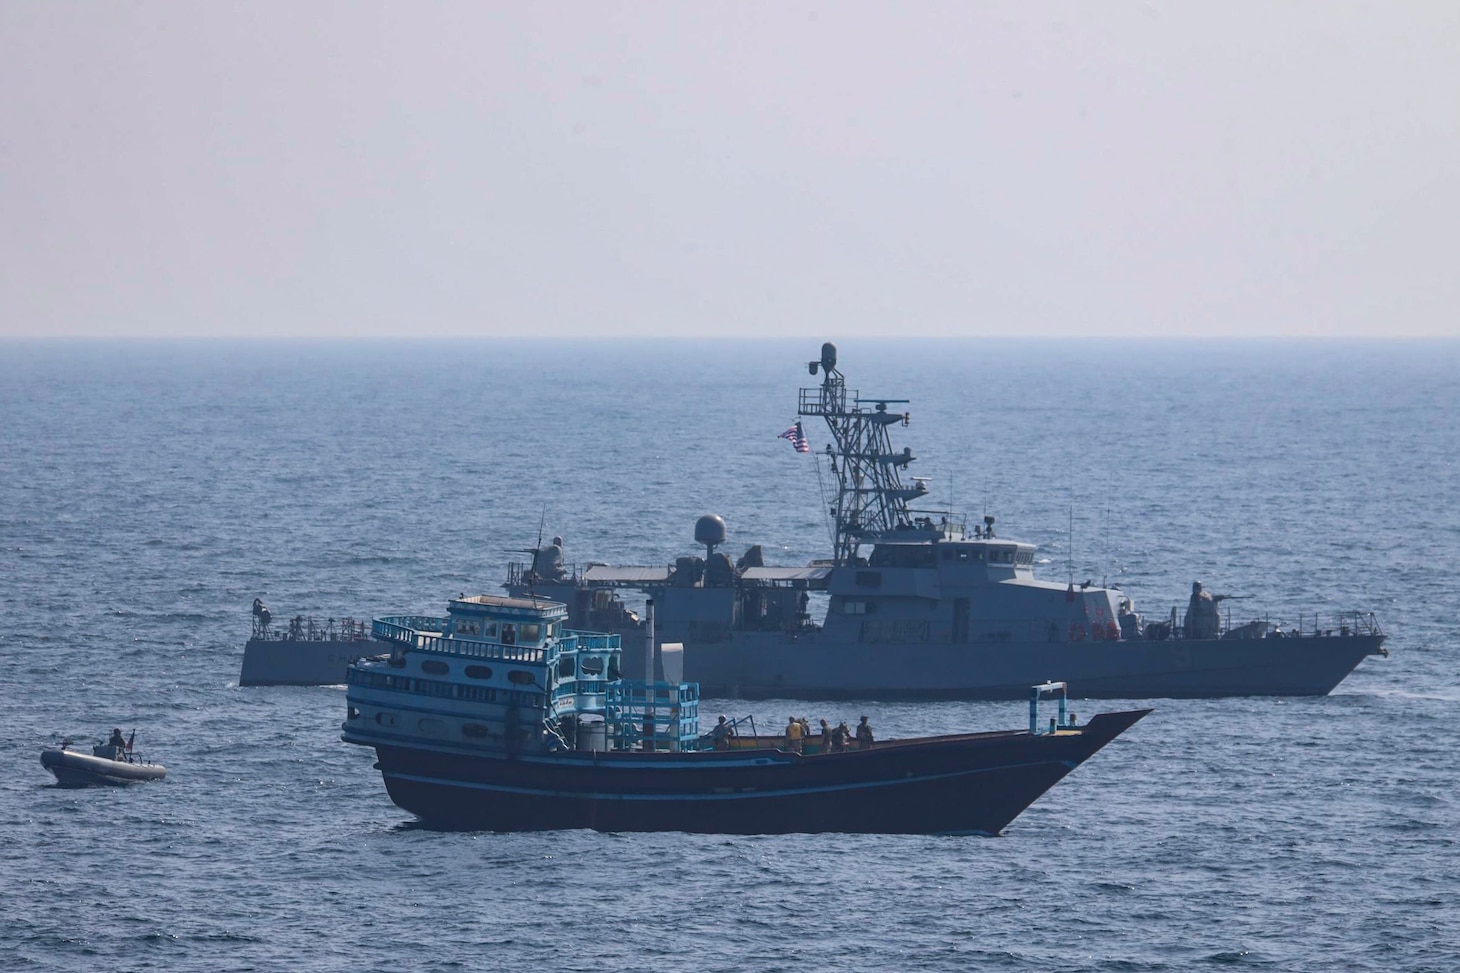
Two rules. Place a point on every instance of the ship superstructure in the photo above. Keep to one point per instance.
(920, 606)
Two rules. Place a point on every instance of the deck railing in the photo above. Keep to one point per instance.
(422, 633)
(303, 628)
(1336, 624)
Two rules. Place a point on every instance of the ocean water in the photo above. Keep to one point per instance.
(148, 492)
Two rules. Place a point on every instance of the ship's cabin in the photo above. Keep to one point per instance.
(994, 559)
(999, 559)
(503, 674)
(531, 623)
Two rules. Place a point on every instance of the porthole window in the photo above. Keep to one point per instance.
(592, 665)
(522, 677)
(435, 667)
(478, 672)
(565, 667)
(475, 731)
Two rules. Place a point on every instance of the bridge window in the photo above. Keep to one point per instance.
(529, 632)
(903, 556)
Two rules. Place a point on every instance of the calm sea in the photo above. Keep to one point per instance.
(148, 492)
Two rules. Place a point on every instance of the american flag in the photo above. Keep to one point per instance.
(797, 437)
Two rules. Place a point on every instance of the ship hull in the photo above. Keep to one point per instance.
(814, 666)
(971, 784)
(287, 662)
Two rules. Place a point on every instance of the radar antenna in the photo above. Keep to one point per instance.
(871, 501)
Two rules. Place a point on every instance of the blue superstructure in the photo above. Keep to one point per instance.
(503, 675)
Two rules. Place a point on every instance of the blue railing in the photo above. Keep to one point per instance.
(593, 641)
(405, 630)
(653, 716)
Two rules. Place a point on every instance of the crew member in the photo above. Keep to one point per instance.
(793, 735)
(722, 733)
(1202, 619)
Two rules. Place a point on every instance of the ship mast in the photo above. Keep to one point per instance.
(871, 501)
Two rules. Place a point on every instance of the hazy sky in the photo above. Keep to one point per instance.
(819, 169)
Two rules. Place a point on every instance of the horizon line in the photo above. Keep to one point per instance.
(599, 338)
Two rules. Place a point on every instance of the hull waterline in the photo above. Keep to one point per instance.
(974, 784)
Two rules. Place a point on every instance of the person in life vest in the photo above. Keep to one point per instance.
(793, 735)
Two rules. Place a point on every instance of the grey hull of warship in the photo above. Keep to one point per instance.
(919, 606)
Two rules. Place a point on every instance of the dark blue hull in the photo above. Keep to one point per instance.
(971, 784)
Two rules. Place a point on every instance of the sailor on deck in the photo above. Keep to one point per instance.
(722, 733)
(1202, 619)
(793, 735)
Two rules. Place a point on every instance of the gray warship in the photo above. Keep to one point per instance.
(920, 606)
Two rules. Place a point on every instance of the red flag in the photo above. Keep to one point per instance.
(130, 739)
